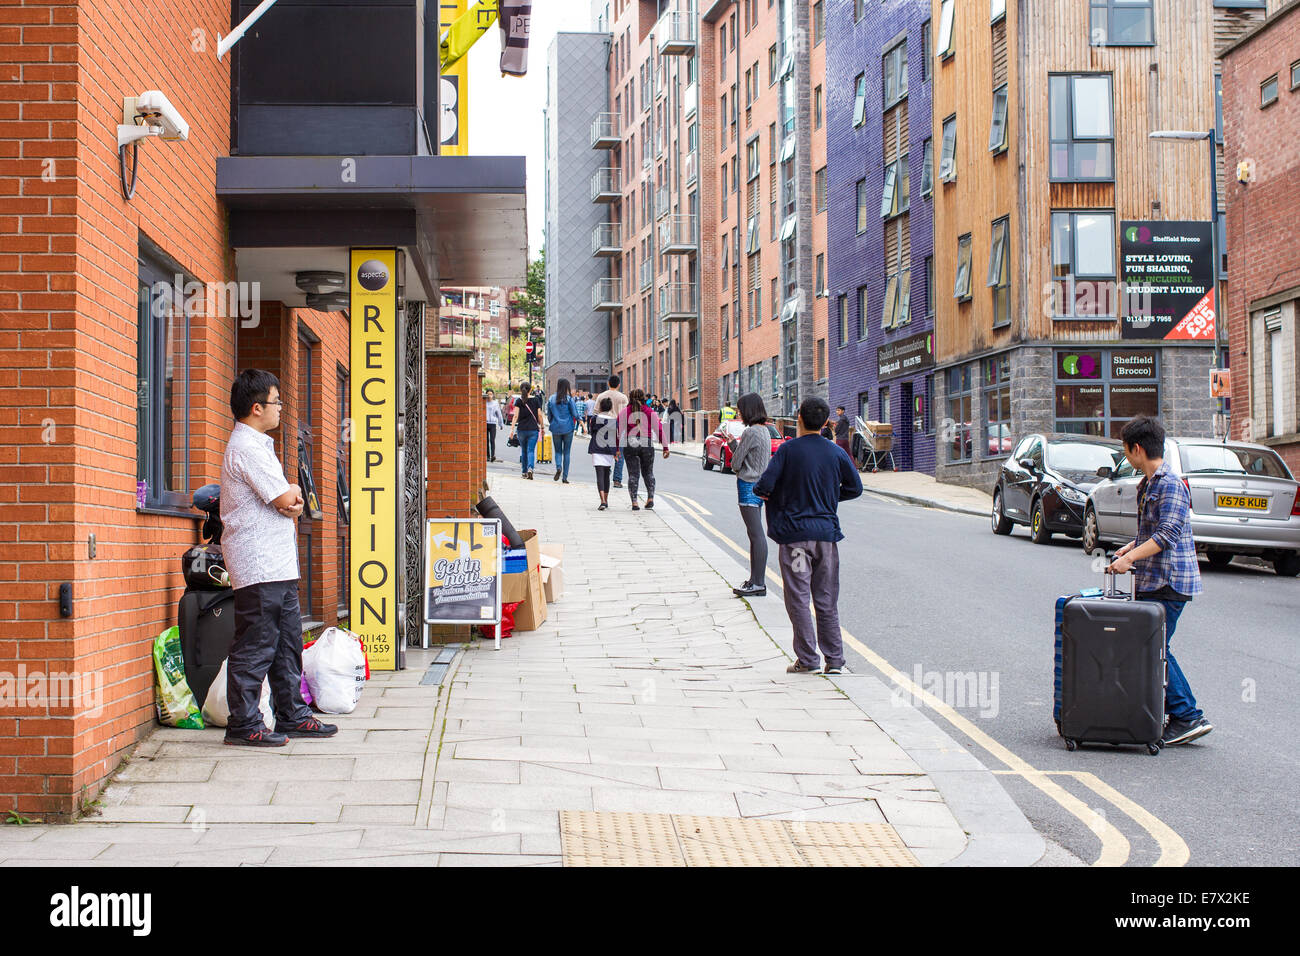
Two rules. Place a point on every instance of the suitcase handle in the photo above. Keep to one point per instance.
(1112, 590)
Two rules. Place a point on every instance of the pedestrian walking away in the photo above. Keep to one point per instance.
(750, 459)
(842, 431)
(803, 485)
(563, 415)
(674, 415)
(603, 447)
(1163, 556)
(259, 510)
(492, 408)
(620, 403)
(529, 425)
(637, 427)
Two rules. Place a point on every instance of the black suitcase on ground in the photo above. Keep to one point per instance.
(207, 623)
(1112, 670)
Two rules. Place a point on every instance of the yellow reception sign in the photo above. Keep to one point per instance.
(453, 93)
(373, 379)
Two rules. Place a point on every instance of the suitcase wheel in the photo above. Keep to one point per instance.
(1153, 750)
(1071, 745)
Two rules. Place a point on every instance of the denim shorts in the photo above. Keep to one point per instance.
(745, 492)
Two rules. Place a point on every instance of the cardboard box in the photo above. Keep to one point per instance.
(553, 583)
(514, 587)
(531, 614)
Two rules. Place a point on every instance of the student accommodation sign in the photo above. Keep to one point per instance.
(462, 572)
(374, 378)
(1167, 271)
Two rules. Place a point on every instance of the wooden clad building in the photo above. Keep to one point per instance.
(1043, 111)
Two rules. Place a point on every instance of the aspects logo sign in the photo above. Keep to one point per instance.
(372, 275)
(1138, 234)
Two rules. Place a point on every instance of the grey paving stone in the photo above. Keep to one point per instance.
(288, 768)
(455, 769)
(249, 792)
(587, 775)
(478, 859)
(502, 819)
(402, 815)
(389, 767)
(517, 797)
(279, 813)
(616, 799)
(169, 770)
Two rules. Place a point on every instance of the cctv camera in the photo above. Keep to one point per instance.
(158, 111)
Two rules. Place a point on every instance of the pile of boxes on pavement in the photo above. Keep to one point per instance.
(534, 578)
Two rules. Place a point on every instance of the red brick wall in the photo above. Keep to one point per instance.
(455, 437)
(1263, 229)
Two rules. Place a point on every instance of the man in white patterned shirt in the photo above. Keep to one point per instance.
(260, 546)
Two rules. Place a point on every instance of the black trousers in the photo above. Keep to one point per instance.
(640, 464)
(602, 478)
(492, 442)
(268, 640)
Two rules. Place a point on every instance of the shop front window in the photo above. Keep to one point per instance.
(1099, 390)
(957, 428)
(997, 406)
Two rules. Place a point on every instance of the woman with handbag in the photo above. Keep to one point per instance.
(562, 412)
(637, 427)
(529, 423)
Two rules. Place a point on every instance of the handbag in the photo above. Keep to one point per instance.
(512, 441)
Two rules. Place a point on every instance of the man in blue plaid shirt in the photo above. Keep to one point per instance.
(1164, 556)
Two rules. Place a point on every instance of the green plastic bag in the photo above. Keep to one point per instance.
(176, 706)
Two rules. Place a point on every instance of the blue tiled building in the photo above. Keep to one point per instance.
(880, 327)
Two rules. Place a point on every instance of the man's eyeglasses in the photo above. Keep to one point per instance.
(271, 403)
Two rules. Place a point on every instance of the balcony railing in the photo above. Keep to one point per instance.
(677, 235)
(663, 202)
(606, 185)
(604, 131)
(605, 295)
(647, 272)
(678, 302)
(676, 32)
(607, 239)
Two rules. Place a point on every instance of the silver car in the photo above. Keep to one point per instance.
(1244, 501)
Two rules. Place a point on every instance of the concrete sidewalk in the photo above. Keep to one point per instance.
(649, 721)
(913, 487)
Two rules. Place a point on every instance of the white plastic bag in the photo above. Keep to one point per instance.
(216, 709)
(335, 667)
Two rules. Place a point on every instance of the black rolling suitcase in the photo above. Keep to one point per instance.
(1112, 663)
(207, 623)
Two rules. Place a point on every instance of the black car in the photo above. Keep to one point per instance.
(1045, 483)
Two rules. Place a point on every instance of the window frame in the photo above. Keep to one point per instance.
(861, 187)
(819, 189)
(842, 302)
(1264, 102)
(895, 57)
(154, 268)
(945, 49)
(965, 249)
(927, 167)
(999, 146)
(963, 431)
(819, 22)
(948, 150)
(1073, 276)
(863, 304)
(1000, 283)
(997, 10)
(1073, 137)
(1107, 9)
(859, 100)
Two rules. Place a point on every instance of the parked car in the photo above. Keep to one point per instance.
(1244, 501)
(1045, 483)
(719, 446)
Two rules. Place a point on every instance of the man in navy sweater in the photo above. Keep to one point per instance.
(803, 486)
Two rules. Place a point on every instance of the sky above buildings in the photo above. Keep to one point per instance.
(506, 112)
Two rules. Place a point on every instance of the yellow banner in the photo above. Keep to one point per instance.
(373, 380)
(466, 29)
(453, 90)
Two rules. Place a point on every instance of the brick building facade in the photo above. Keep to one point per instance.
(1261, 123)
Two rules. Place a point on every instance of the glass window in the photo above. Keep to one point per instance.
(1083, 264)
(889, 314)
(948, 157)
(945, 28)
(1295, 81)
(998, 128)
(961, 288)
(819, 21)
(929, 287)
(844, 320)
(927, 169)
(925, 50)
(1222, 459)
(1082, 136)
(862, 312)
(817, 107)
(957, 428)
(859, 8)
(819, 188)
(997, 8)
(1095, 391)
(860, 99)
(894, 68)
(997, 406)
(821, 273)
(1268, 91)
(1122, 23)
(999, 278)
(164, 308)
(888, 201)
(862, 206)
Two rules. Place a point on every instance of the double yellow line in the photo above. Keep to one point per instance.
(1115, 847)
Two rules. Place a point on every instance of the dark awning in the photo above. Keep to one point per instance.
(461, 219)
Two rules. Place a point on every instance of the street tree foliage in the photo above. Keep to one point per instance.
(532, 298)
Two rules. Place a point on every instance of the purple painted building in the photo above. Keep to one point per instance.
(880, 218)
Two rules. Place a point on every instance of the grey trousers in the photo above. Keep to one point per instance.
(810, 571)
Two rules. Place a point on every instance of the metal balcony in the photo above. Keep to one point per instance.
(606, 185)
(676, 32)
(605, 295)
(663, 202)
(607, 239)
(678, 302)
(604, 131)
(677, 235)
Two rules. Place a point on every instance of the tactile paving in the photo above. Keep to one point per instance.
(658, 839)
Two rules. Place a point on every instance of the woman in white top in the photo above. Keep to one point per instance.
(603, 447)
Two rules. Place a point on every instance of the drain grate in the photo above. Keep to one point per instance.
(661, 839)
(434, 675)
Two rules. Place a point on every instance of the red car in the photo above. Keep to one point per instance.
(719, 445)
